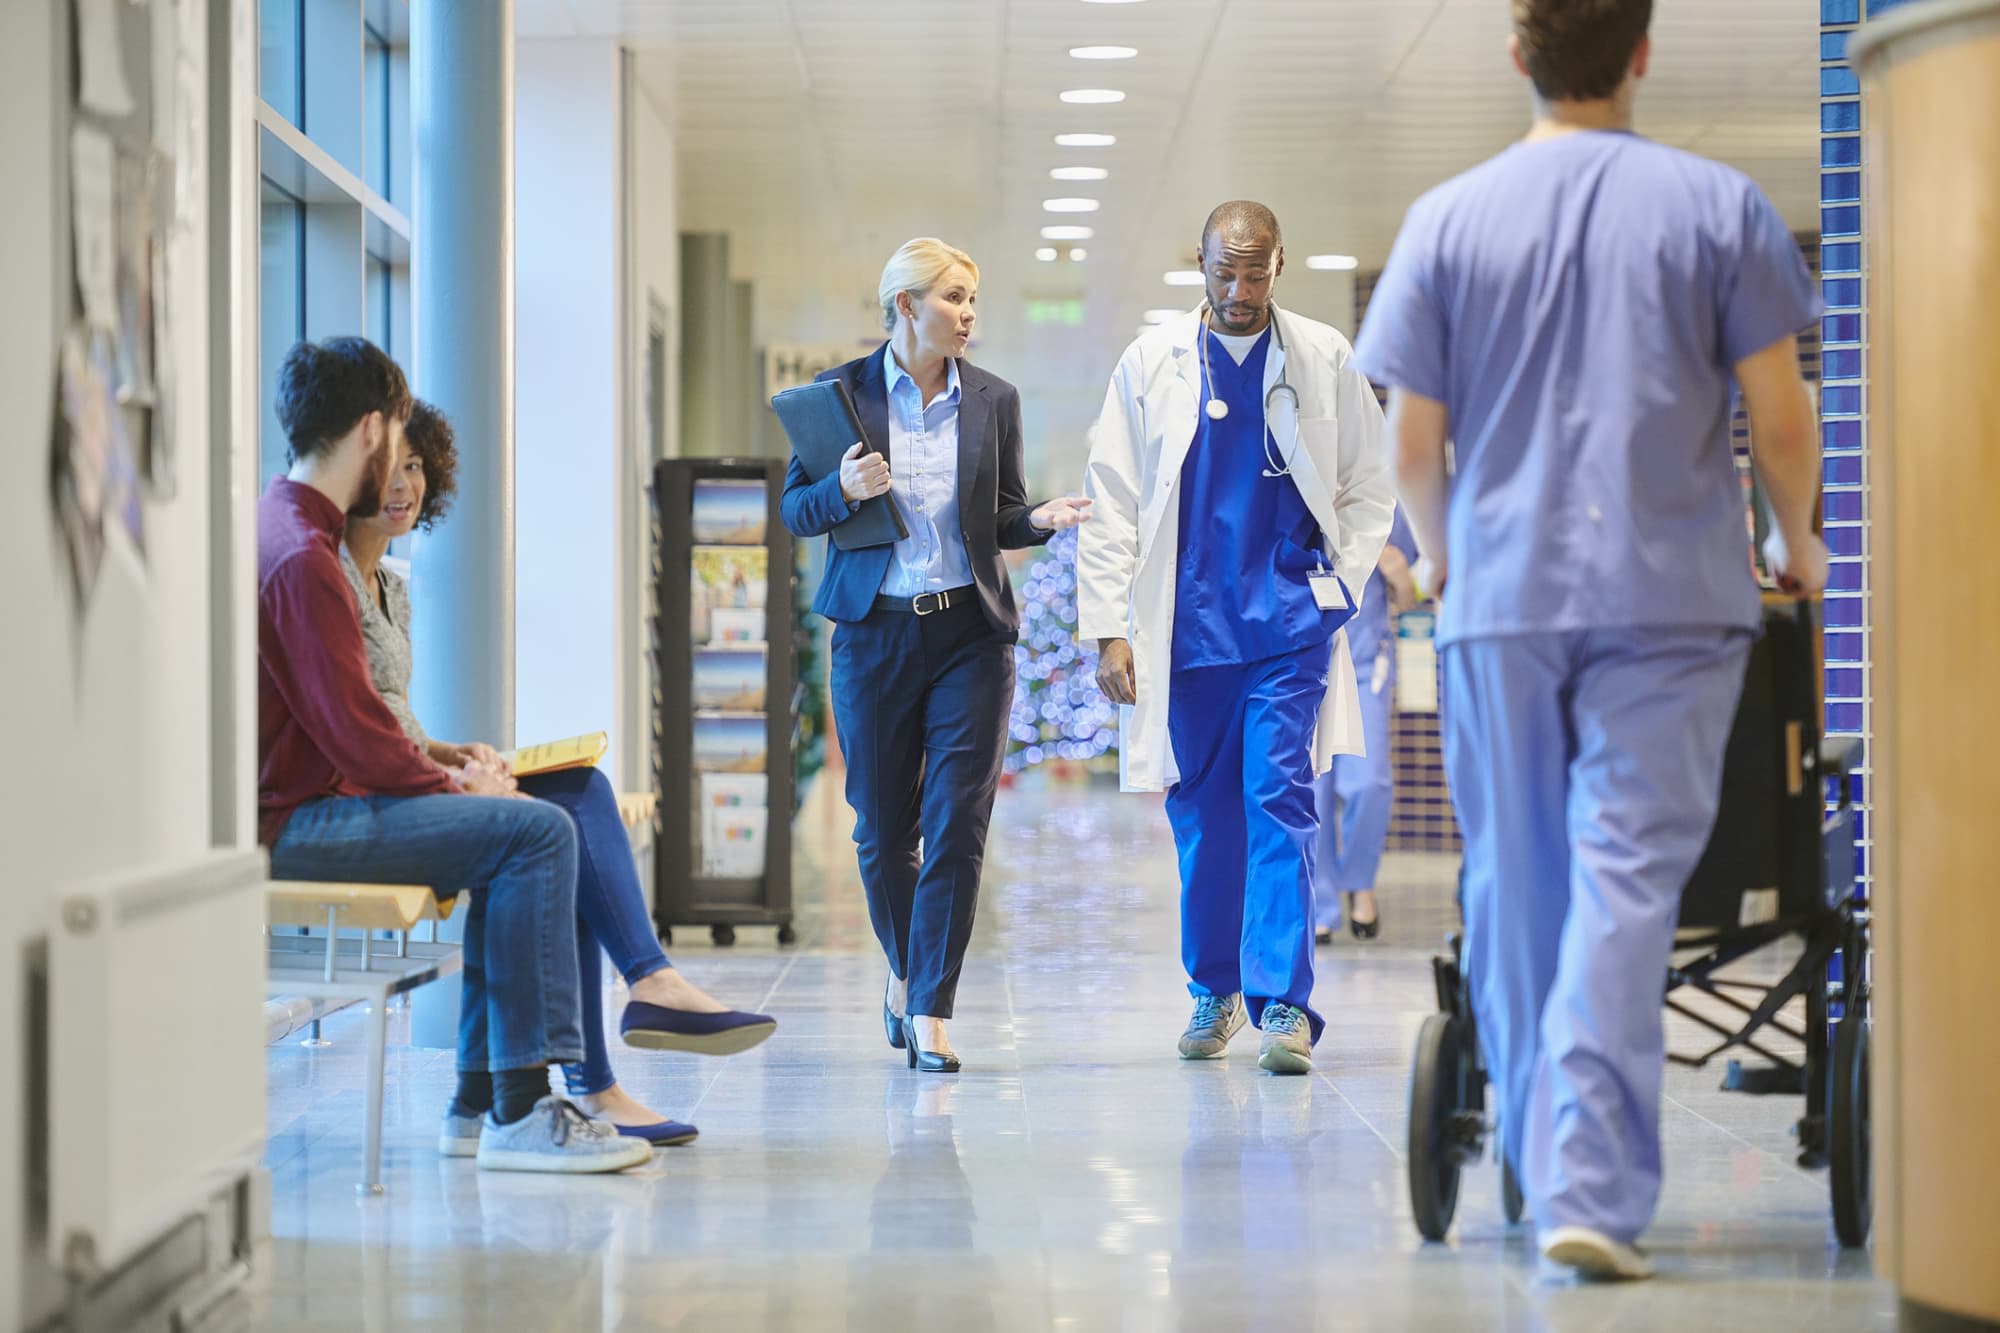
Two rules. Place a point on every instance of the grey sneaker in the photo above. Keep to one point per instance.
(556, 1136)
(1595, 1255)
(1287, 1047)
(458, 1136)
(1216, 1019)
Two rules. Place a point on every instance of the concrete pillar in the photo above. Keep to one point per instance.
(741, 387)
(462, 115)
(705, 313)
(1933, 152)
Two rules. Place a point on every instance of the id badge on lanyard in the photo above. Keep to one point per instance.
(1330, 594)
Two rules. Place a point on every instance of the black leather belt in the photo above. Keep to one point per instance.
(928, 603)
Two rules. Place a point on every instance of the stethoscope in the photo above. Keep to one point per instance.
(1277, 393)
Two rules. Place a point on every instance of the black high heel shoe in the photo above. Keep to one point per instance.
(891, 1023)
(929, 1062)
(1363, 930)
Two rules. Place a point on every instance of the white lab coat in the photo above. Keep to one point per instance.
(1127, 554)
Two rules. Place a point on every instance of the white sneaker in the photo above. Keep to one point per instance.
(458, 1136)
(558, 1137)
(1595, 1255)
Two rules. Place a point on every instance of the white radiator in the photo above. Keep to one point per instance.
(156, 1053)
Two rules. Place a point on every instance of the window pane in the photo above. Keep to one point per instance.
(281, 316)
(278, 55)
(375, 306)
(375, 139)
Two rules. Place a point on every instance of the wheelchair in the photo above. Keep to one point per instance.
(1779, 865)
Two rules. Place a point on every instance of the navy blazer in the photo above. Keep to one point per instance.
(993, 508)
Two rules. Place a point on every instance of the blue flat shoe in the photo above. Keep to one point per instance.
(652, 1028)
(662, 1134)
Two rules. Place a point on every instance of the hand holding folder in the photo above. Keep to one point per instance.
(820, 421)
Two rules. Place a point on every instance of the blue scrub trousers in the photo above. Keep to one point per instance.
(1356, 795)
(1586, 769)
(1243, 821)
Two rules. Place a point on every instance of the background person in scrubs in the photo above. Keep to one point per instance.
(1354, 796)
(1241, 499)
(1572, 313)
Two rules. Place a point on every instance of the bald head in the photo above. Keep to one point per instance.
(1242, 255)
(1242, 221)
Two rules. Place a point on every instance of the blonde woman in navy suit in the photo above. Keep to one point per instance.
(923, 649)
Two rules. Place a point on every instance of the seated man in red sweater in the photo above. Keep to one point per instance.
(343, 794)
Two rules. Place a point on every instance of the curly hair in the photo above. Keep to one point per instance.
(431, 439)
(1579, 50)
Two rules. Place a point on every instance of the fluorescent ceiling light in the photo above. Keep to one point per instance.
(1090, 96)
(1103, 52)
(1078, 173)
(1332, 261)
(1047, 254)
(1085, 140)
(1078, 254)
(1162, 316)
(1067, 233)
(1069, 205)
(1112, 2)
(1184, 277)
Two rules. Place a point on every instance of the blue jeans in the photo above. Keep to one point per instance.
(516, 860)
(611, 915)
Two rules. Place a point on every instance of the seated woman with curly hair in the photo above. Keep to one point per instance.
(667, 1012)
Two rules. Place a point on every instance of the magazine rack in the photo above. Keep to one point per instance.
(725, 697)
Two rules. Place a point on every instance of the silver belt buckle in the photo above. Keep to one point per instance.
(925, 603)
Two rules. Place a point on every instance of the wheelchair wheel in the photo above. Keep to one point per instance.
(1436, 1097)
(1511, 1202)
(1848, 1132)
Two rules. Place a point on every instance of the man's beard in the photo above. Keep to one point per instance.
(373, 487)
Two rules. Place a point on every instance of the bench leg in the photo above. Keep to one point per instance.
(371, 1151)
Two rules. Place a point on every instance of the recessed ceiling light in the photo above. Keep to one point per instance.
(1085, 140)
(1047, 254)
(1078, 254)
(1184, 277)
(1090, 96)
(1162, 316)
(1067, 233)
(1103, 52)
(1069, 205)
(1332, 261)
(1078, 173)
(1112, 2)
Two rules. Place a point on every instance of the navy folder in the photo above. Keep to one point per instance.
(820, 420)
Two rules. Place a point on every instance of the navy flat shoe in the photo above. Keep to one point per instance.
(662, 1134)
(652, 1028)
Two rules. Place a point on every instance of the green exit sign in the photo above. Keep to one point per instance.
(1068, 313)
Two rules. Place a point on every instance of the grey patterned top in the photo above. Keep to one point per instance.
(388, 640)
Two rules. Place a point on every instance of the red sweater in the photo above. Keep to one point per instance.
(321, 728)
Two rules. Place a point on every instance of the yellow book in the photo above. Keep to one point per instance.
(555, 756)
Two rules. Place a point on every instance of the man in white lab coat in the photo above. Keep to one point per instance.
(1242, 497)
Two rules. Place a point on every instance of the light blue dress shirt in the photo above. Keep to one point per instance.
(923, 481)
(1577, 305)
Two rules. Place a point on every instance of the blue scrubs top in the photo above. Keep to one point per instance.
(1577, 304)
(1248, 544)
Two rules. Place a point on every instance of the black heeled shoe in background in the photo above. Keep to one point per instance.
(1363, 930)
(928, 1062)
(891, 1023)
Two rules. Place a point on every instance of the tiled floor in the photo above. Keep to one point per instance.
(1076, 1176)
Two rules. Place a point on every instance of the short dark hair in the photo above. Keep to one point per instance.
(1579, 50)
(430, 437)
(325, 387)
(1242, 215)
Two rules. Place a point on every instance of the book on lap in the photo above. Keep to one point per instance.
(555, 756)
(820, 420)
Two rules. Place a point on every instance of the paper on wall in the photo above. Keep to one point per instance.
(94, 225)
(100, 51)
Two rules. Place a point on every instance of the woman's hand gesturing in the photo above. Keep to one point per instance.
(1061, 513)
